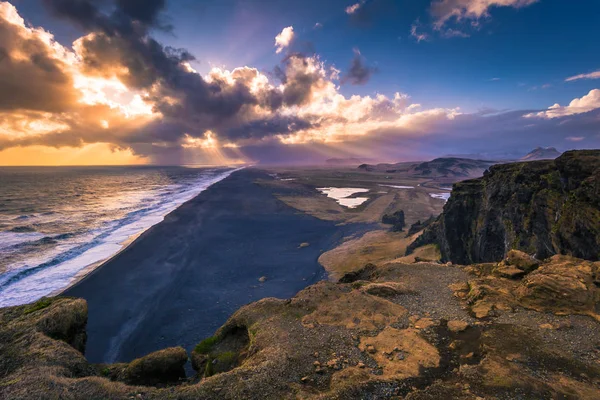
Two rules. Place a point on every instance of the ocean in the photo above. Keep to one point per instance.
(56, 223)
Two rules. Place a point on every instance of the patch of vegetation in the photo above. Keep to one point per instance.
(228, 357)
(295, 314)
(38, 305)
(205, 346)
(11, 382)
(208, 370)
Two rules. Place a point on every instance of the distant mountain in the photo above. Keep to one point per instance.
(439, 168)
(542, 153)
(345, 161)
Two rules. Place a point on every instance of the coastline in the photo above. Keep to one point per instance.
(64, 265)
(178, 281)
(93, 267)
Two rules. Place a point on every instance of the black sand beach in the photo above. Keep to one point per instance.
(181, 280)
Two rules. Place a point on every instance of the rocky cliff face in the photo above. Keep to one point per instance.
(542, 207)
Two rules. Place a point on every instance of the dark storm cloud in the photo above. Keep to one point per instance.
(189, 103)
(123, 16)
(277, 125)
(359, 72)
(30, 77)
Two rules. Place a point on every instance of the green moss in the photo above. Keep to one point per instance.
(105, 372)
(208, 370)
(11, 382)
(295, 314)
(205, 346)
(227, 357)
(38, 305)
(358, 284)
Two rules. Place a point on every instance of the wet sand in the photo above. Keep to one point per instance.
(180, 280)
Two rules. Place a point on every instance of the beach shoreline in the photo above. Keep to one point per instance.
(89, 270)
(205, 259)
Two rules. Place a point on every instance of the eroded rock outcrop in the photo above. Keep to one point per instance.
(378, 337)
(541, 207)
(561, 285)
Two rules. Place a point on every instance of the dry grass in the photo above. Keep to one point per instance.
(374, 247)
(402, 353)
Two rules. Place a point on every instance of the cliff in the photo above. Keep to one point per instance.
(541, 207)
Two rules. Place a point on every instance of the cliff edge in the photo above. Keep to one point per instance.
(541, 207)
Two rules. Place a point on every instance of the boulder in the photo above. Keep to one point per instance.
(509, 271)
(564, 286)
(457, 326)
(386, 289)
(161, 367)
(522, 261)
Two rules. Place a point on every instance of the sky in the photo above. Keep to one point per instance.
(272, 82)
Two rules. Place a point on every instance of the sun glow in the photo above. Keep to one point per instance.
(111, 92)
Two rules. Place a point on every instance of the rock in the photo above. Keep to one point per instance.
(161, 367)
(522, 261)
(509, 272)
(457, 326)
(262, 279)
(371, 349)
(482, 309)
(564, 325)
(304, 379)
(546, 326)
(361, 365)
(424, 323)
(364, 273)
(565, 285)
(387, 289)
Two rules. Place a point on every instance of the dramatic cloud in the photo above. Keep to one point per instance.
(587, 103)
(445, 10)
(359, 73)
(118, 89)
(284, 39)
(591, 75)
(34, 69)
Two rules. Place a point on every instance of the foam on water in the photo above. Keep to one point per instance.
(11, 239)
(51, 271)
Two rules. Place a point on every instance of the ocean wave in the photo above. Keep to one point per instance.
(22, 229)
(57, 268)
(11, 239)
